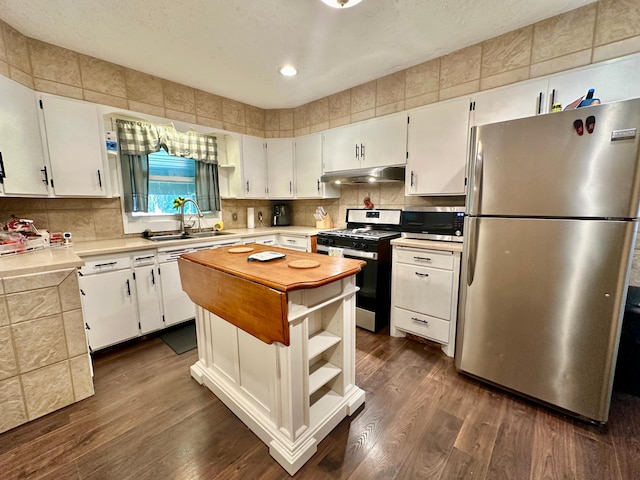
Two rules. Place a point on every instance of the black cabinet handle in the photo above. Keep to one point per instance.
(108, 264)
(427, 259)
(421, 274)
(153, 278)
(128, 288)
(362, 151)
(357, 151)
(46, 176)
(539, 103)
(412, 178)
(2, 172)
(290, 186)
(99, 179)
(247, 186)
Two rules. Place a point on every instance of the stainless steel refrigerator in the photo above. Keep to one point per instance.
(552, 215)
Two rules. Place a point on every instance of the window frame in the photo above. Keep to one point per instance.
(153, 222)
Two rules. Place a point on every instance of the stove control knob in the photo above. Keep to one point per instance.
(363, 246)
(355, 245)
(458, 233)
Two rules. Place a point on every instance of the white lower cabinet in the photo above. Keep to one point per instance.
(177, 306)
(295, 242)
(108, 300)
(263, 240)
(147, 277)
(424, 293)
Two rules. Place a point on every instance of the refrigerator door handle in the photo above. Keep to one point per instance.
(476, 165)
(473, 248)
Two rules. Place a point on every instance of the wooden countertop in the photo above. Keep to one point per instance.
(252, 295)
(277, 274)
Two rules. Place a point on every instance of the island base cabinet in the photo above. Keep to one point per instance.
(292, 396)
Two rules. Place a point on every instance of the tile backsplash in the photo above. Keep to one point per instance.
(101, 218)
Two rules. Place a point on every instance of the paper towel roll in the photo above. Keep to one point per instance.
(217, 226)
(250, 218)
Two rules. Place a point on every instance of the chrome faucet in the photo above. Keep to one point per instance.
(183, 230)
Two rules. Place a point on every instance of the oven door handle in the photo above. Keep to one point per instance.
(349, 252)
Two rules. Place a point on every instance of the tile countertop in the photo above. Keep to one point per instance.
(57, 258)
(430, 244)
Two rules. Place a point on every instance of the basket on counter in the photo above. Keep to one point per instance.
(17, 243)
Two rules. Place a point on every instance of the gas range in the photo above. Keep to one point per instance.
(365, 230)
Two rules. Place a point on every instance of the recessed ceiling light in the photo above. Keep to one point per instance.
(288, 71)
(341, 3)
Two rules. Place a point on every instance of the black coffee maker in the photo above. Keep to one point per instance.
(281, 216)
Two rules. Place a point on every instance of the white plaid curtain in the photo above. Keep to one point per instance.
(138, 139)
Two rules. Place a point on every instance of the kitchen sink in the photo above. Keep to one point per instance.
(184, 236)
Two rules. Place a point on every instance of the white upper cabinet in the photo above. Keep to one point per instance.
(384, 141)
(437, 149)
(280, 167)
(254, 167)
(524, 99)
(341, 148)
(23, 169)
(613, 80)
(374, 143)
(74, 144)
(308, 169)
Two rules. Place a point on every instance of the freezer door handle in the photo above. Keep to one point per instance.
(473, 248)
(478, 166)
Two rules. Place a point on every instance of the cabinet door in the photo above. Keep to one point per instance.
(109, 306)
(308, 166)
(384, 141)
(341, 148)
(74, 143)
(177, 306)
(524, 99)
(254, 167)
(613, 81)
(437, 147)
(148, 293)
(23, 163)
(424, 290)
(280, 167)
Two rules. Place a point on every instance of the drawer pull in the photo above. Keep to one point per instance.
(426, 259)
(420, 320)
(421, 274)
(291, 241)
(109, 264)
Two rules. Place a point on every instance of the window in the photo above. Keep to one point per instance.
(170, 177)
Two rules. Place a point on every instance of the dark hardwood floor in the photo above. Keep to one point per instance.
(421, 420)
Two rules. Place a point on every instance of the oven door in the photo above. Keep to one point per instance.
(367, 282)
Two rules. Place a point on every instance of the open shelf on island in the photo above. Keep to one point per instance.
(321, 342)
(320, 374)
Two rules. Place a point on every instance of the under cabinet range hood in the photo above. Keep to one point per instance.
(365, 175)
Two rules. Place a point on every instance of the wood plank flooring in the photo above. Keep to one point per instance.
(422, 420)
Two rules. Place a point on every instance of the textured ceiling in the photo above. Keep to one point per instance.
(234, 48)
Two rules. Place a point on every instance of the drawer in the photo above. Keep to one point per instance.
(105, 263)
(264, 240)
(423, 289)
(428, 258)
(421, 325)
(291, 241)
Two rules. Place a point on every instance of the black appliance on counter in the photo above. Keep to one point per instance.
(281, 216)
(367, 237)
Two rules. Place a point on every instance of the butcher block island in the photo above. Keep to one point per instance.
(276, 342)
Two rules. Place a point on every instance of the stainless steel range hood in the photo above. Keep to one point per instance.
(365, 175)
